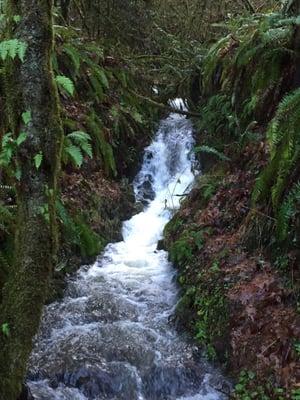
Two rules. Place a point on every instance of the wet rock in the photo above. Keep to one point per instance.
(171, 382)
(145, 190)
(161, 245)
(138, 207)
(94, 343)
(115, 381)
(107, 307)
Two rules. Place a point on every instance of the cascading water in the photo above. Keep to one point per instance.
(111, 336)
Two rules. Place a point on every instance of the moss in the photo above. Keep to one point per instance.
(202, 307)
(36, 240)
(211, 323)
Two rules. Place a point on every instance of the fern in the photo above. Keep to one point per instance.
(78, 233)
(211, 150)
(75, 144)
(13, 48)
(74, 55)
(212, 60)
(65, 83)
(102, 147)
(83, 141)
(218, 116)
(90, 242)
(75, 155)
(283, 136)
(287, 211)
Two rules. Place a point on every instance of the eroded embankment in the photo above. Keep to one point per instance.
(233, 300)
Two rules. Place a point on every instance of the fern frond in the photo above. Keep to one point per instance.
(75, 154)
(65, 83)
(74, 55)
(12, 48)
(83, 141)
(211, 150)
(287, 211)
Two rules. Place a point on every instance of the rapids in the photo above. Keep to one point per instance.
(111, 337)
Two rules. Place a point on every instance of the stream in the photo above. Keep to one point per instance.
(112, 336)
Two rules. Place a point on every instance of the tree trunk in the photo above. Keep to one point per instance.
(30, 88)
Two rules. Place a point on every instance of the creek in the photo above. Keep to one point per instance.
(112, 335)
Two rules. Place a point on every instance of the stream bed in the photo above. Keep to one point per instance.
(112, 337)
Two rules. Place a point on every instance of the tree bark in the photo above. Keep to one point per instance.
(30, 88)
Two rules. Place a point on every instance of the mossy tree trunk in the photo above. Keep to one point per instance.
(30, 88)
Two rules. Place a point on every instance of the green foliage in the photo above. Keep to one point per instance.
(102, 147)
(248, 388)
(76, 144)
(297, 348)
(75, 57)
(287, 211)
(244, 68)
(283, 136)
(65, 83)
(78, 234)
(208, 185)
(243, 77)
(82, 139)
(90, 242)
(182, 250)
(296, 394)
(38, 158)
(115, 118)
(218, 116)
(9, 147)
(5, 329)
(13, 48)
(211, 150)
(211, 306)
(26, 117)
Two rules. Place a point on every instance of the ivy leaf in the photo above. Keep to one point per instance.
(38, 158)
(5, 329)
(26, 117)
(21, 138)
(65, 83)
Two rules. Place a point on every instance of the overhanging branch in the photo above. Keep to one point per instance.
(166, 107)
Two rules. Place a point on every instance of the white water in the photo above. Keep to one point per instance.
(111, 336)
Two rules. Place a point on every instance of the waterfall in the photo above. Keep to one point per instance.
(111, 336)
